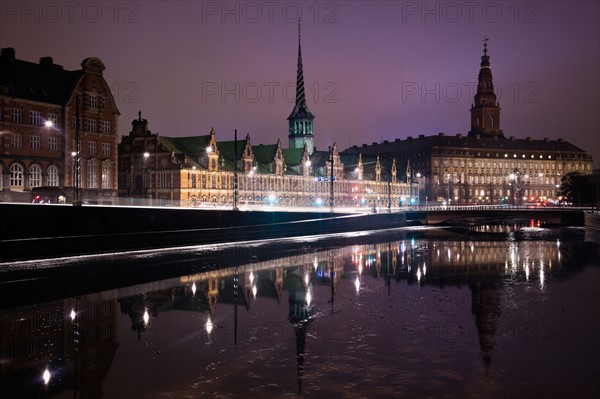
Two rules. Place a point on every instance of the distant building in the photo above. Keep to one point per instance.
(199, 170)
(483, 166)
(37, 130)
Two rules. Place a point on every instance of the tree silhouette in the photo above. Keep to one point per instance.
(572, 187)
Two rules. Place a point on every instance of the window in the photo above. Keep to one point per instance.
(91, 313)
(52, 144)
(35, 118)
(35, 176)
(106, 180)
(16, 175)
(91, 175)
(16, 115)
(93, 101)
(164, 180)
(16, 140)
(35, 142)
(92, 147)
(106, 309)
(53, 176)
(92, 125)
(73, 123)
(105, 127)
(53, 118)
(106, 149)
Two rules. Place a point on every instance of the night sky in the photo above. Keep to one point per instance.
(373, 70)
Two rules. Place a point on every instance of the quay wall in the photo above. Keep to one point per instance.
(35, 231)
(592, 220)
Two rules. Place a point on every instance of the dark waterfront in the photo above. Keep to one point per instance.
(481, 312)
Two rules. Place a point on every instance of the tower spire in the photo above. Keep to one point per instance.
(485, 59)
(485, 111)
(300, 95)
(301, 119)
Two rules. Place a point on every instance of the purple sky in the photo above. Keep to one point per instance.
(373, 70)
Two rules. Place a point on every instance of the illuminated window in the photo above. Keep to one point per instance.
(92, 170)
(16, 175)
(53, 176)
(35, 176)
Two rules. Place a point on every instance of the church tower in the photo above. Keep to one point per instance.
(301, 119)
(485, 112)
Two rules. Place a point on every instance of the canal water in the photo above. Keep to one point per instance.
(503, 311)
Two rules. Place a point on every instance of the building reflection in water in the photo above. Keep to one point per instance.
(71, 343)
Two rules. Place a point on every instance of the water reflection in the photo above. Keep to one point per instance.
(333, 303)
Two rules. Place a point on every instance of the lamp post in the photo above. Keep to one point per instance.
(389, 192)
(448, 194)
(252, 177)
(145, 182)
(77, 163)
(419, 176)
(515, 179)
(235, 173)
(306, 181)
(409, 178)
(331, 192)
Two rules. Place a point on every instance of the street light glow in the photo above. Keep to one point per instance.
(46, 376)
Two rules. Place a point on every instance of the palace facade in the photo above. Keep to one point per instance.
(483, 166)
(39, 104)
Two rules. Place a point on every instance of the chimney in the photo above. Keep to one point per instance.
(7, 55)
(46, 62)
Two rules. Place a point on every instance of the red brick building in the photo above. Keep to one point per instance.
(37, 131)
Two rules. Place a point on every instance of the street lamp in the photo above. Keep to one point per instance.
(419, 187)
(448, 194)
(145, 183)
(77, 164)
(515, 178)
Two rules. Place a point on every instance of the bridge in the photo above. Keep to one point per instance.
(475, 214)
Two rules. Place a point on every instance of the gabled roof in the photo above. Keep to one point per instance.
(319, 158)
(292, 156)
(193, 146)
(264, 153)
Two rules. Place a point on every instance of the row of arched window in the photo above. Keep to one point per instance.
(35, 176)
